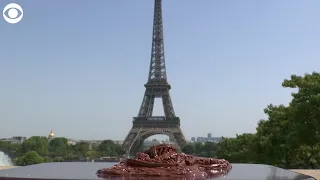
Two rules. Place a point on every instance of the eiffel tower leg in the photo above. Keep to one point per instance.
(129, 140)
(147, 104)
(133, 142)
(137, 146)
(179, 137)
(167, 104)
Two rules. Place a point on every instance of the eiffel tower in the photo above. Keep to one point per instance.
(146, 125)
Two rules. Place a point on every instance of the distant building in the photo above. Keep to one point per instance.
(15, 139)
(97, 142)
(72, 142)
(69, 141)
(209, 138)
(118, 142)
(92, 142)
(51, 135)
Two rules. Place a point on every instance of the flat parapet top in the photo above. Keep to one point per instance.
(83, 170)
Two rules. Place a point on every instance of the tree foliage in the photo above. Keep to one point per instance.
(30, 158)
(57, 150)
(288, 138)
(36, 143)
(59, 147)
(82, 148)
(109, 148)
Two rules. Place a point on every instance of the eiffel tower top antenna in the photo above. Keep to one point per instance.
(157, 70)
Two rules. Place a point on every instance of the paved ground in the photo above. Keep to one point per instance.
(6, 167)
(313, 173)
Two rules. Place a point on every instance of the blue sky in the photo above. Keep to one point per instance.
(78, 67)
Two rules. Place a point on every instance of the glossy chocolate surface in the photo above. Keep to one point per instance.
(83, 170)
(165, 161)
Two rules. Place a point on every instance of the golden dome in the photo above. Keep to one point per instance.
(51, 134)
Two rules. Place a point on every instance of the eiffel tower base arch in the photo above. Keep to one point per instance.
(144, 129)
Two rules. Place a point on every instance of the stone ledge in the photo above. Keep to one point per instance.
(310, 172)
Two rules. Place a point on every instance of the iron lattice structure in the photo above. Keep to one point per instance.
(146, 125)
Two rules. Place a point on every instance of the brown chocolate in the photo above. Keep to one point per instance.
(163, 161)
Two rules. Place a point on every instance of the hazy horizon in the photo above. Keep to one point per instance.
(78, 68)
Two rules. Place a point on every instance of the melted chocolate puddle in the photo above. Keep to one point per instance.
(164, 162)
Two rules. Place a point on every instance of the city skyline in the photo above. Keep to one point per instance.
(52, 134)
(81, 74)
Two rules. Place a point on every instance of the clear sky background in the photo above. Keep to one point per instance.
(78, 67)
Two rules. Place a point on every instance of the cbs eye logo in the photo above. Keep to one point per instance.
(11, 13)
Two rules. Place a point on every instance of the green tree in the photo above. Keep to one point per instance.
(11, 149)
(305, 116)
(36, 143)
(290, 136)
(58, 159)
(58, 147)
(82, 148)
(305, 108)
(30, 158)
(275, 141)
(207, 149)
(109, 148)
(210, 149)
(188, 149)
(47, 159)
(198, 148)
(91, 154)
